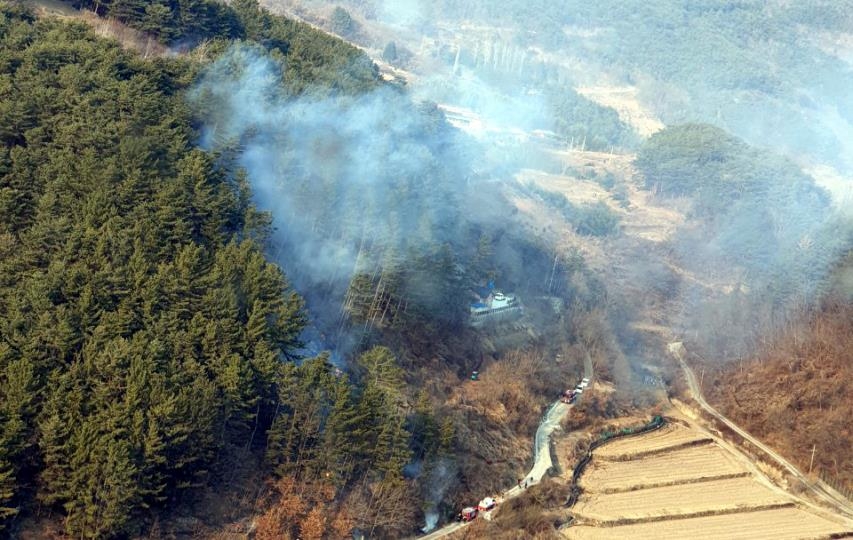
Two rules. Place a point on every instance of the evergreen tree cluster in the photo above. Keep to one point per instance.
(326, 431)
(171, 20)
(314, 60)
(757, 210)
(146, 342)
(720, 170)
(145, 339)
(585, 122)
(367, 196)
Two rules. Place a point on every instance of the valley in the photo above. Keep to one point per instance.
(331, 268)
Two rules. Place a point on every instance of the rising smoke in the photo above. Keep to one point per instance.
(344, 177)
(354, 183)
(758, 262)
(439, 479)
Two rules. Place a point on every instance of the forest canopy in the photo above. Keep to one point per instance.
(146, 342)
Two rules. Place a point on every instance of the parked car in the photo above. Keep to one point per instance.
(486, 504)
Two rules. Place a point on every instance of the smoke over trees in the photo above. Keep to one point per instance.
(377, 215)
(147, 345)
(150, 343)
(759, 215)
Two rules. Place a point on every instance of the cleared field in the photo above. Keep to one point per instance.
(623, 99)
(778, 524)
(689, 464)
(682, 499)
(576, 190)
(670, 436)
(678, 482)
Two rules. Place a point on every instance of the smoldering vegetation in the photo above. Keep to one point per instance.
(383, 215)
(763, 239)
(380, 181)
(758, 224)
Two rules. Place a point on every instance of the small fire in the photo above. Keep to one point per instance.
(431, 521)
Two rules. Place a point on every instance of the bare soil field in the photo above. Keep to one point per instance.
(643, 217)
(777, 524)
(623, 99)
(691, 464)
(670, 436)
(730, 494)
(536, 216)
(576, 190)
(590, 161)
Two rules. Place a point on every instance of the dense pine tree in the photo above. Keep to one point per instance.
(141, 329)
(146, 342)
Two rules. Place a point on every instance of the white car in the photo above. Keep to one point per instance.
(487, 504)
(584, 383)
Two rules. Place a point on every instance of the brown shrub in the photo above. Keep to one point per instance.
(529, 512)
(298, 509)
(795, 394)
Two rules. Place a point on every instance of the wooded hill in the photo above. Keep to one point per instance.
(777, 349)
(145, 338)
(756, 216)
(149, 349)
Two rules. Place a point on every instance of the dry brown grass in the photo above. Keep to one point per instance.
(503, 393)
(702, 491)
(297, 509)
(535, 514)
(685, 465)
(775, 524)
(670, 436)
(495, 418)
(128, 38)
(796, 395)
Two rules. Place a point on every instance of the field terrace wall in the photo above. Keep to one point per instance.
(606, 437)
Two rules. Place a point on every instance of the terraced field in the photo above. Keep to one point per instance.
(779, 524)
(668, 437)
(691, 464)
(679, 500)
(679, 482)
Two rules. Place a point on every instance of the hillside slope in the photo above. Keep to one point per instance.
(795, 394)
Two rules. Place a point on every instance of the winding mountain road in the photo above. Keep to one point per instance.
(541, 455)
(823, 492)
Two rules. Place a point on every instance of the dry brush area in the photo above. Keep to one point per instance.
(796, 394)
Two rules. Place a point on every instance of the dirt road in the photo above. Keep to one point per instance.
(823, 492)
(541, 455)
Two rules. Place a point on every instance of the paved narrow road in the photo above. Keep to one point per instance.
(541, 454)
(818, 488)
